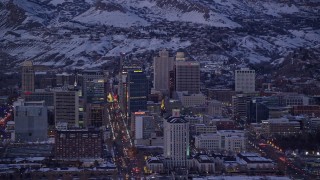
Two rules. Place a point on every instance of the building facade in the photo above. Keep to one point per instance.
(280, 126)
(176, 140)
(187, 76)
(145, 128)
(137, 91)
(78, 144)
(27, 77)
(162, 66)
(228, 140)
(245, 80)
(67, 107)
(214, 108)
(96, 115)
(31, 121)
(189, 100)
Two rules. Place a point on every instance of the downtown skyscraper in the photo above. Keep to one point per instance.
(27, 77)
(162, 66)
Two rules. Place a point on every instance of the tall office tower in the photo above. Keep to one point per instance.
(90, 76)
(172, 83)
(27, 77)
(67, 107)
(144, 127)
(95, 91)
(31, 121)
(95, 115)
(176, 140)
(245, 80)
(162, 65)
(187, 76)
(94, 98)
(123, 86)
(137, 91)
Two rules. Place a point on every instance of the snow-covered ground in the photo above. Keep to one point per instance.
(114, 18)
(56, 44)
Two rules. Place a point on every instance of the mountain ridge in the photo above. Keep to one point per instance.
(88, 33)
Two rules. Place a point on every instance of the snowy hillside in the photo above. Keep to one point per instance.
(88, 33)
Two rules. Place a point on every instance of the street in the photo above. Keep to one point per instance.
(125, 156)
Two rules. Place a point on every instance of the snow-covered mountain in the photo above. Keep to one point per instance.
(88, 33)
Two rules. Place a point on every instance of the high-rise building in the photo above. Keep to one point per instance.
(31, 121)
(94, 97)
(176, 140)
(67, 107)
(123, 86)
(95, 91)
(95, 115)
(27, 77)
(162, 66)
(187, 76)
(137, 91)
(90, 76)
(144, 127)
(245, 80)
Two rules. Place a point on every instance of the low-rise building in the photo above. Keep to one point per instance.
(215, 108)
(229, 140)
(309, 110)
(78, 144)
(280, 126)
(189, 100)
(204, 164)
(204, 129)
(254, 162)
(31, 121)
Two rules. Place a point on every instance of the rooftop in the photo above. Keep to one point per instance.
(176, 119)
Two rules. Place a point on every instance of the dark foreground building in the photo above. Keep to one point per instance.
(78, 144)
